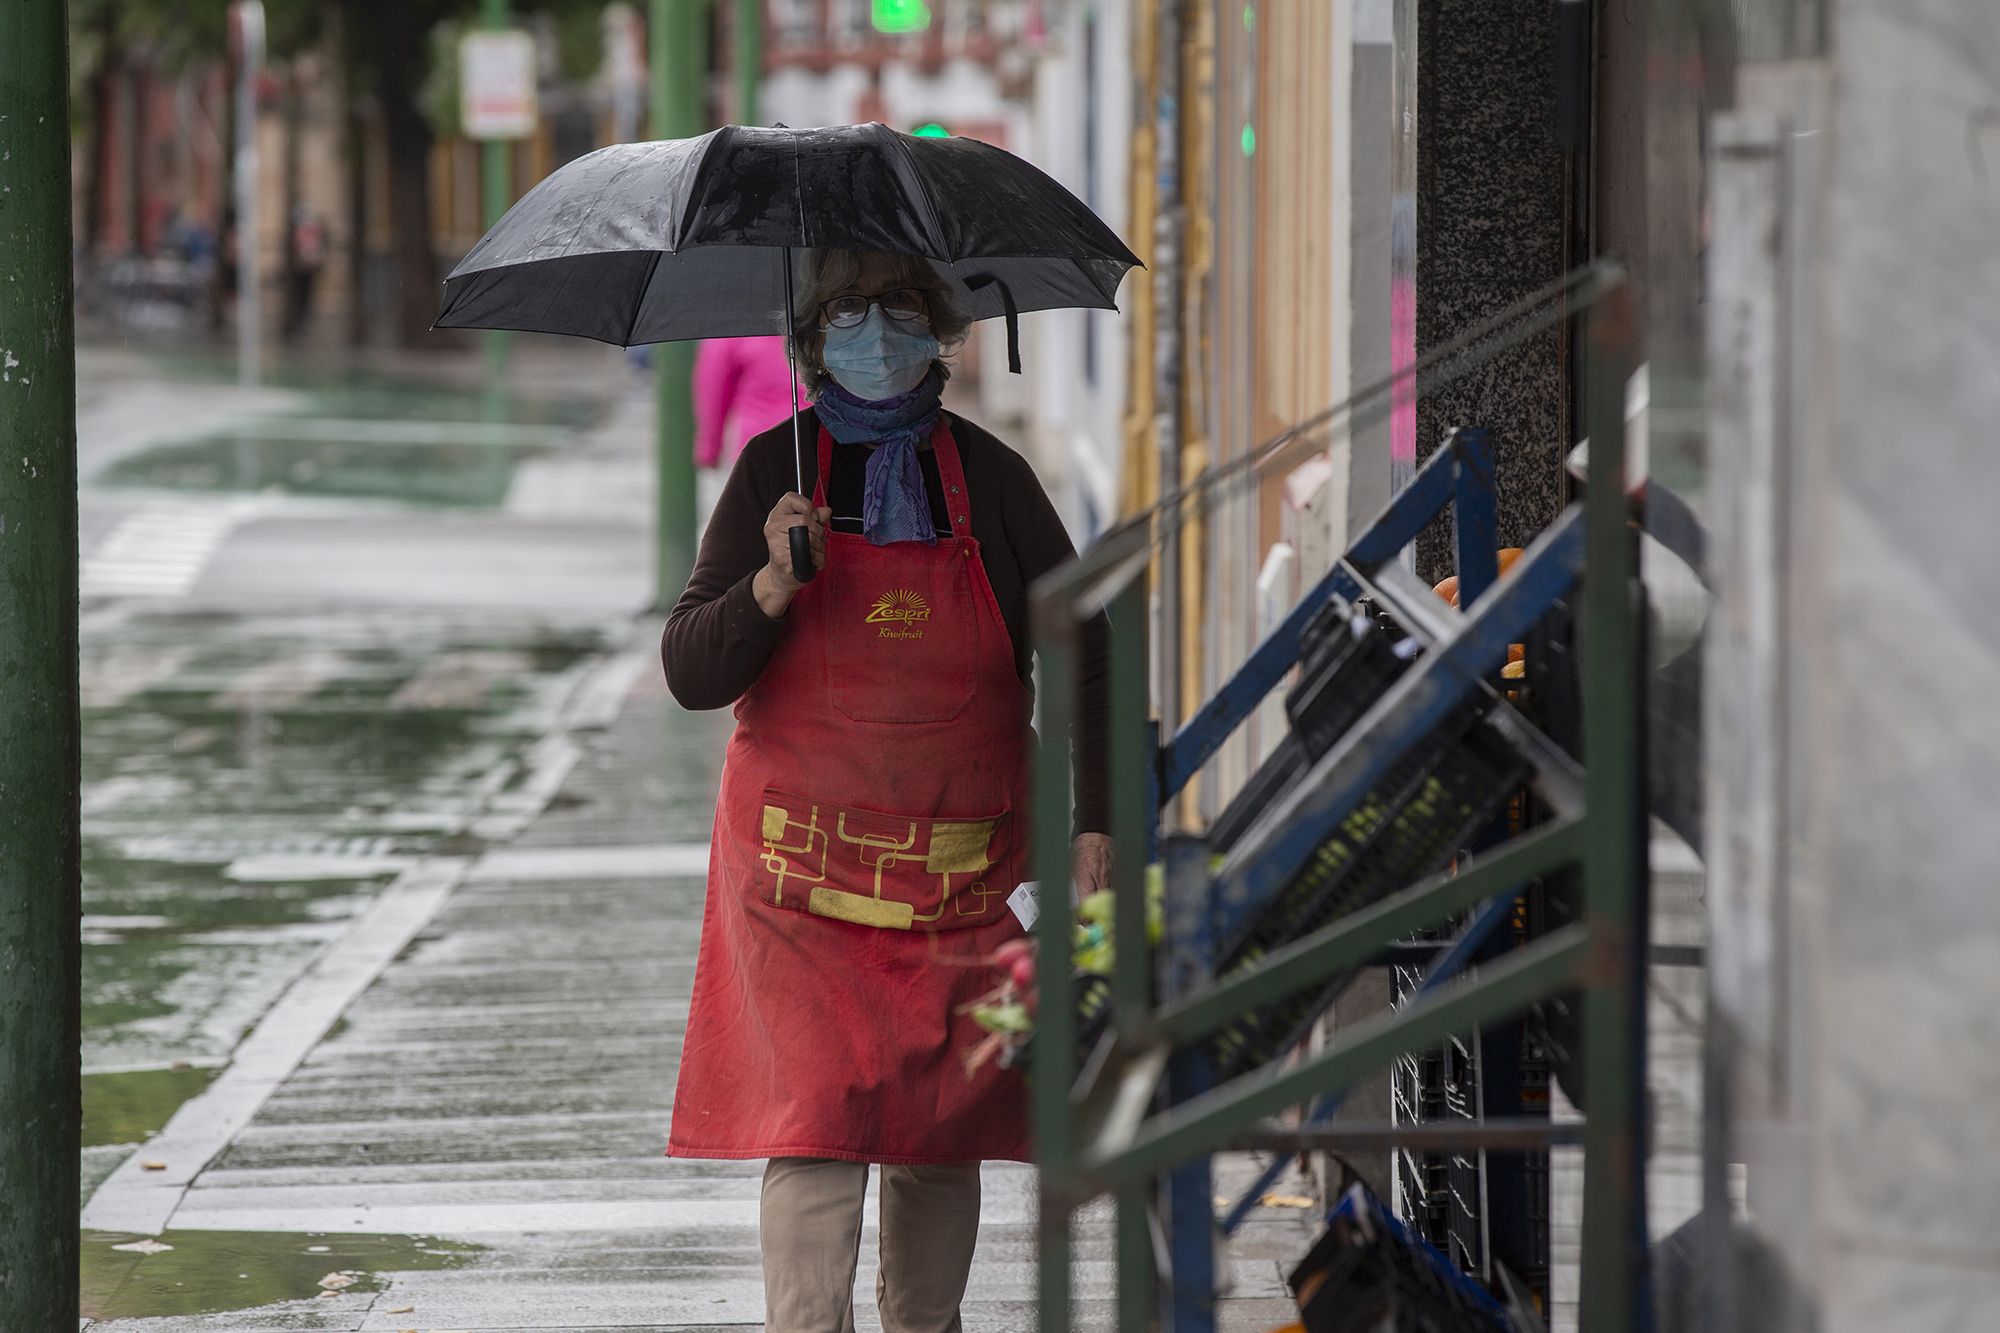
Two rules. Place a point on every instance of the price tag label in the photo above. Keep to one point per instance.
(1026, 904)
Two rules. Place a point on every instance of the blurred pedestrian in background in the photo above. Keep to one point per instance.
(742, 387)
(307, 258)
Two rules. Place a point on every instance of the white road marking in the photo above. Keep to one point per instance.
(160, 549)
(134, 1199)
(1007, 1200)
(292, 868)
(548, 764)
(601, 695)
(569, 863)
(195, 851)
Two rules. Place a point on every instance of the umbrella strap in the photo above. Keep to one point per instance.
(978, 280)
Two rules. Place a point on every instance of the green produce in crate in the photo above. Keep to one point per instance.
(1004, 1018)
(1007, 1012)
(1092, 948)
(1413, 823)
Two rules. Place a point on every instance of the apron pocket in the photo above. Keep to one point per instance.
(902, 634)
(891, 872)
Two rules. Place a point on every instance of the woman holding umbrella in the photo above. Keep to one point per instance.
(871, 819)
(861, 599)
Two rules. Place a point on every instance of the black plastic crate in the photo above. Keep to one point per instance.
(1370, 1272)
(1280, 769)
(1464, 1232)
(1341, 674)
(1429, 806)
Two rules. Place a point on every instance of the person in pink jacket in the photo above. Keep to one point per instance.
(742, 387)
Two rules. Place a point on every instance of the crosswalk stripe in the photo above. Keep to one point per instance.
(160, 550)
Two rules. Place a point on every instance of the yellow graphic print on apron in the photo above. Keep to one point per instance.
(877, 870)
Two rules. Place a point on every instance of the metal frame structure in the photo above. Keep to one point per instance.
(1138, 1116)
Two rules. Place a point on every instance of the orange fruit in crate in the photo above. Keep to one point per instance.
(1447, 588)
(1517, 652)
(1514, 670)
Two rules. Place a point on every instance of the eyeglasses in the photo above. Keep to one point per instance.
(903, 304)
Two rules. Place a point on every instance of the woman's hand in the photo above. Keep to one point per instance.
(774, 586)
(1090, 863)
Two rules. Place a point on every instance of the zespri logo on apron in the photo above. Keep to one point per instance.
(900, 612)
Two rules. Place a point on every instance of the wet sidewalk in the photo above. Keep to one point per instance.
(454, 1120)
(395, 859)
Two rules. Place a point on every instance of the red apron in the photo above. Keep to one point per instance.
(871, 823)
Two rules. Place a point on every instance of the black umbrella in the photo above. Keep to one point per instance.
(693, 238)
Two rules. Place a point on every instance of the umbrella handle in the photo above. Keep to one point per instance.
(802, 554)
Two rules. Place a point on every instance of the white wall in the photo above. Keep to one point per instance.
(1075, 403)
(800, 97)
(961, 92)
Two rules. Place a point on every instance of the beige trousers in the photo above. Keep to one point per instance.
(811, 1230)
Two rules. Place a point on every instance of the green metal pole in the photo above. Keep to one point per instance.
(677, 38)
(1614, 1222)
(41, 1113)
(1053, 1065)
(497, 192)
(1133, 818)
(749, 59)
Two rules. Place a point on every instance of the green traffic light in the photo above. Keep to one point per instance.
(933, 130)
(900, 16)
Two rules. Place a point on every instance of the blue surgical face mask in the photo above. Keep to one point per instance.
(879, 357)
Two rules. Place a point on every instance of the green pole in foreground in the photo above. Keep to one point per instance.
(749, 59)
(677, 35)
(40, 1105)
(496, 193)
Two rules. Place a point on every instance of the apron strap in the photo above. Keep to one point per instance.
(951, 472)
(825, 466)
(957, 504)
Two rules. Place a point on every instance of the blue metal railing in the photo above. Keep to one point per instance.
(1157, 1053)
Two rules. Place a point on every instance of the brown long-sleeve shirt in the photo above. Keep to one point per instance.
(718, 639)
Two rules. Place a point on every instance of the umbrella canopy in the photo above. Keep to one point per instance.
(687, 238)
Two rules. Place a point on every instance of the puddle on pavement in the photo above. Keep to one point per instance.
(370, 438)
(340, 388)
(129, 1105)
(250, 791)
(209, 1272)
(464, 473)
(381, 398)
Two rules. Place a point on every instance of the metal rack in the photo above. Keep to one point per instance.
(1139, 1114)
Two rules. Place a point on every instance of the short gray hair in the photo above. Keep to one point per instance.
(825, 274)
